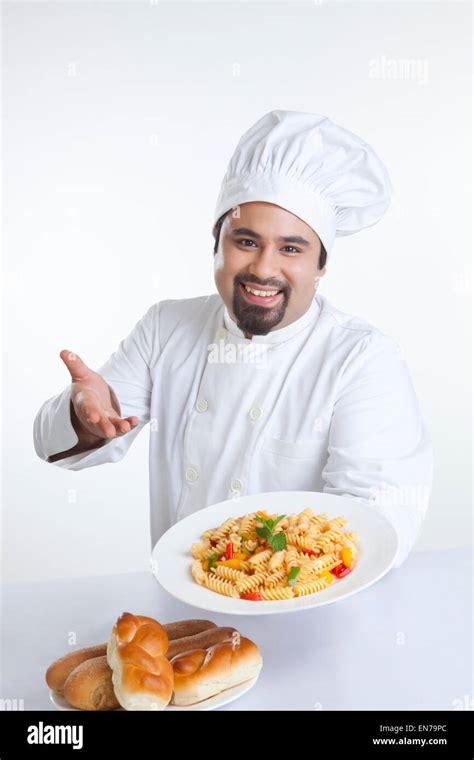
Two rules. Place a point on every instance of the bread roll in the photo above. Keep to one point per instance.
(142, 677)
(201, 673)
(187, 628)
(202, 640)
(60, 669)
(89, 686)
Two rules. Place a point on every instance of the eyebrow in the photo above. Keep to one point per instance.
(285, 239)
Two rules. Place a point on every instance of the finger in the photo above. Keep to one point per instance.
(121, 425)
(106, 428)
(130, 422)
(127, 423)
(77, 368)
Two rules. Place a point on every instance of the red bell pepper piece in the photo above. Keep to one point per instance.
(340, 570)
(310, 552)
(344, 572)
(252, 596)
(229, 550)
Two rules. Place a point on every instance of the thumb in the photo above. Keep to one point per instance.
(77, 368)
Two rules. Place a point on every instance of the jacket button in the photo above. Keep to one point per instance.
(191, 474)
(201, 405)
(236, 485)
(256, 413)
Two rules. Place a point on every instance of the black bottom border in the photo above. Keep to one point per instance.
(385, 733)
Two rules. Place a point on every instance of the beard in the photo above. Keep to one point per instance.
(252, 318)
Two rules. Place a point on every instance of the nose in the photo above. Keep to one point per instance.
(264, 264)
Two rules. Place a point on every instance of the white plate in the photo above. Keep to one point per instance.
(219, 700)
(171, 557)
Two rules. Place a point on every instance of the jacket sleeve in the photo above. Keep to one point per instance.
(379, 448)
(127, 371)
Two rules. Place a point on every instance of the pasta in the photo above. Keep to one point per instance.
(276, 561)
(310, 587)
(279, 592)
(275, 579)
(251, 582)
(264, 557)
(222, 587)
(219, 533)
(248, 525)
(261, 559)
(229, 573)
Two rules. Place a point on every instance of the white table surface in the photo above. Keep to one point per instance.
(403, 644)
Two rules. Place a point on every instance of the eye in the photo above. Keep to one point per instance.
(293, 250)
(244, 241)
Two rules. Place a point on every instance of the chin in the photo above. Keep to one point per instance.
(258, 325)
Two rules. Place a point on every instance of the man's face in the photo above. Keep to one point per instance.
(269, 249)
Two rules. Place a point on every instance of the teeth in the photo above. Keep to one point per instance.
(263, 293)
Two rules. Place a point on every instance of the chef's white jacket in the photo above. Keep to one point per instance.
(324, 404)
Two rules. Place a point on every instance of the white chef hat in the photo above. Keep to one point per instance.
(324, 174)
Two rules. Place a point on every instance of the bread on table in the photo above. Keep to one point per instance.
(89, 686)
(145, 665)
(58, 672)
(179, 633)
(142, 676)
(202, 673)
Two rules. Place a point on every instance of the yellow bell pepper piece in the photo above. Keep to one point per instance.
(264, 515)
(328, 577)
(346, 556)
(240, 555)
(235, 563)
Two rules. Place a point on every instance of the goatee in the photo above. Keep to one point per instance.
(252, 318)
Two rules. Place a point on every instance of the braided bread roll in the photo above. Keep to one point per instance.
(142, 676)
(203, 672)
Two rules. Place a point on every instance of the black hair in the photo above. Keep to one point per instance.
(217, 231)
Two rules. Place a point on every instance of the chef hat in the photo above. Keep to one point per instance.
(324, 174)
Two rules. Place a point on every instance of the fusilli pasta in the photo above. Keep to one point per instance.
(274, 557)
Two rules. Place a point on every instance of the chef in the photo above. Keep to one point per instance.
(264, 385)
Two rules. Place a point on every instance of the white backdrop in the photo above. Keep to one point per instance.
(119, 120)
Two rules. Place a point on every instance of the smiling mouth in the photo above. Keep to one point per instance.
(261, 296)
